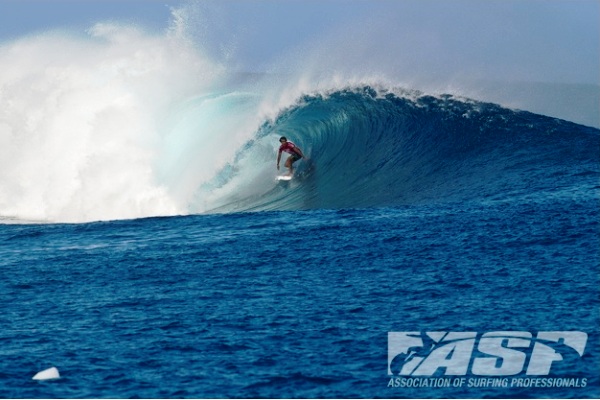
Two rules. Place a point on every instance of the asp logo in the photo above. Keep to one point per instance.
(501, 353)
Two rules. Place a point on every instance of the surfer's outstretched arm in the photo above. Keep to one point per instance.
(278, 159)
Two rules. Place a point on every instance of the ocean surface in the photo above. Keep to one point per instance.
(148, 251)
(414, 213)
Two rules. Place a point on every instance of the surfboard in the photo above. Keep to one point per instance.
(284, 178)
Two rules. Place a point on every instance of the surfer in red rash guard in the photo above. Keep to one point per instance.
(293, 150)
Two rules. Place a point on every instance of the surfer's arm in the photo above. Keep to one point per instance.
(278, 158)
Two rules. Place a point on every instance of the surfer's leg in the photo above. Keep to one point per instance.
(288, 164)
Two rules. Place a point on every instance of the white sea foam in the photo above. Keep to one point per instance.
(84, 122)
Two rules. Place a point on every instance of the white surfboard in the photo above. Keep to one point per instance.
(284, 178)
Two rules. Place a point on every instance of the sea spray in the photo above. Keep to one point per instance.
(82, 122)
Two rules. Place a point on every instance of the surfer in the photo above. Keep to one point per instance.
(293, 150)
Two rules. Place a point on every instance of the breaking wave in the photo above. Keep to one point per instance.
(121, 124)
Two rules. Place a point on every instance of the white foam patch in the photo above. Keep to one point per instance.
(82, 122)
(47, 374)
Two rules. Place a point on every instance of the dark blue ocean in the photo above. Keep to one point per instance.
(413, 213)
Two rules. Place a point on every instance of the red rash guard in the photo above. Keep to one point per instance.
(289, 147)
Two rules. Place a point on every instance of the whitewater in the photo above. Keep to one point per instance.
(148, 250)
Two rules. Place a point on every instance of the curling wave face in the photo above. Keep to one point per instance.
(376, 147)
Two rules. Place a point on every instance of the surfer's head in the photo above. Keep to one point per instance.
(282, 139)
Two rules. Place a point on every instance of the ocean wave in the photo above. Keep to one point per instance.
(122, 124)
(373, 146)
